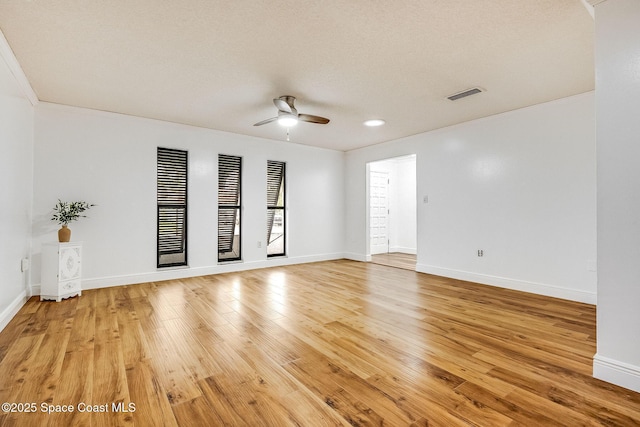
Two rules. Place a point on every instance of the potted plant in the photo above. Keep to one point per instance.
(66, 212)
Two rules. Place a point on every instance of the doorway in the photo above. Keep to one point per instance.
(391, 212)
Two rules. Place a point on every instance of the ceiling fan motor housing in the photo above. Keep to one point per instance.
(288, 114)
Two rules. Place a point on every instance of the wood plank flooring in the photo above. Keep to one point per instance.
(326, 344)
(395, 259)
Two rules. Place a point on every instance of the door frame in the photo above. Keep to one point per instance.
(368, 195)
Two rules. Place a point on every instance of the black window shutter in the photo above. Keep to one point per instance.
(172, 207)
(275, 207)
(229, 210)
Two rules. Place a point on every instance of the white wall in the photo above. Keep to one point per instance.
(520, 186)
(618, 153)
(110, 160)
(16, 178)
(404, 232)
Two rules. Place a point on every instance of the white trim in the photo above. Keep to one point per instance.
(13, 308)
(519, 285)
(14, 66)
(403, 250)
(589, 6)
(182, 273)
(616, 372)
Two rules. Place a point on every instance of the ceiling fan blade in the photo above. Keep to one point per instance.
(264, 122)
(313, 119)
(282, 105)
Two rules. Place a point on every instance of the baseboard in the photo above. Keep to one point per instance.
(403, 250)
(518, 285)
(182, 273)
(616, 372)
(13, 308)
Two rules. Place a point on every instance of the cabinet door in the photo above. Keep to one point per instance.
(69, 263)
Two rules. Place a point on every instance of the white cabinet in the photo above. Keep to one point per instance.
(61, 270)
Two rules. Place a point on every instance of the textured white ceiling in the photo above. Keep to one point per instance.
(218, 64)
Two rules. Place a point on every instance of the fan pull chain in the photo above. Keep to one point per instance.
(287, 134)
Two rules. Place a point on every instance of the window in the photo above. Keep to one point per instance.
(172, 207)
(276, 225)
(229, 208)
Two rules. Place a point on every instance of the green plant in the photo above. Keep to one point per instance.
(66, 212)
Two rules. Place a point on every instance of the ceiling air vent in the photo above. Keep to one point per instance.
(466, 93)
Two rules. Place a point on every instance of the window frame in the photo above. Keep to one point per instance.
(277, 207)
(228, 207)
(161, 192)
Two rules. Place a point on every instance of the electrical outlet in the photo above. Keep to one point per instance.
(480, 252)
(259, 244)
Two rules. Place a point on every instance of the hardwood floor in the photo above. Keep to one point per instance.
(331, 343)
(395, 259)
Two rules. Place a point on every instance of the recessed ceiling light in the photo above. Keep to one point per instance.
(374, 122)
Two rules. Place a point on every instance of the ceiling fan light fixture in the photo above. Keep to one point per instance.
(374, 122)
(287, 120)
(288, 114)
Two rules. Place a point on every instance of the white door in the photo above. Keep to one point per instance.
(379, 212)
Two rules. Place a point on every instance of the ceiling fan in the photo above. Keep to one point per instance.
(288, 115)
